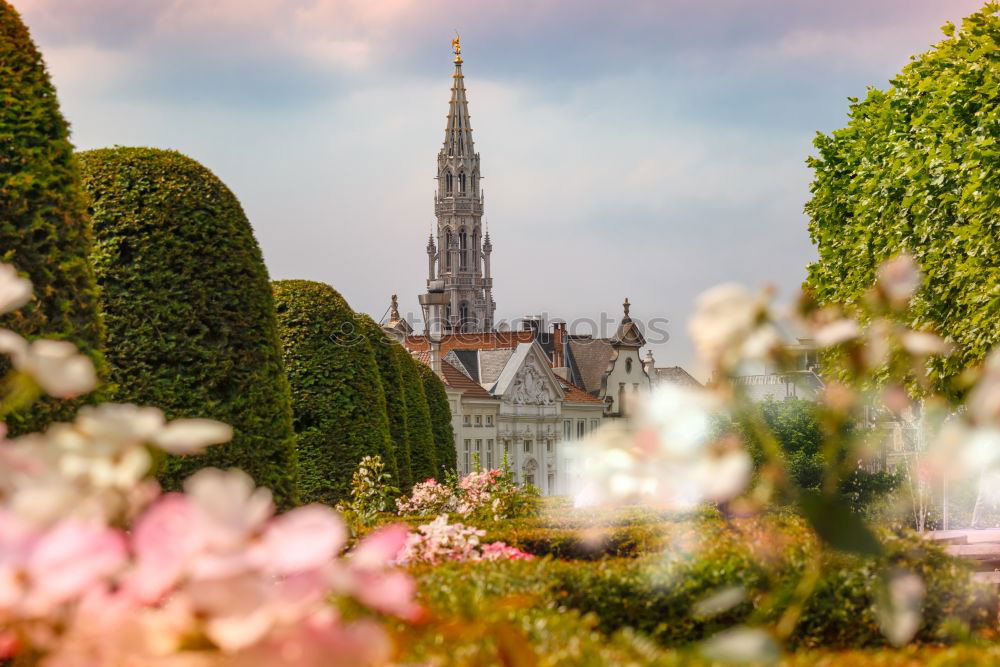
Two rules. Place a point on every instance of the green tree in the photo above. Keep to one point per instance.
(916, 170)
(797, 426)
(423, 457)
(43, 224)
(188, 307)
(395, 399)
(444, 435)
(337, 395)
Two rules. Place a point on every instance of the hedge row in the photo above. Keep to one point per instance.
(337, 396)
(440, 413)
(656, 595)
(423, 457)
(43, 222)
(188, 307)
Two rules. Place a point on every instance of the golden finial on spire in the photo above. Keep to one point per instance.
(456, 46)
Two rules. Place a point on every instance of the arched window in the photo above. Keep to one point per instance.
(463, 247)
(461, 182)
(448, 182)
(447, 249)
(628, 365)
(463, 312)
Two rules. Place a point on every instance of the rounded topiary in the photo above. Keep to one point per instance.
(395, 400)
(337, 394)
(43, 227)
(444, 435)
(188, 308)
(423, 458)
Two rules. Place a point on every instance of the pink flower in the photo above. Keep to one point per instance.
(381, 547)
(71, 558)
(305, 538)
(164, 540)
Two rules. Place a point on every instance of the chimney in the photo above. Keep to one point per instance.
(559, 366)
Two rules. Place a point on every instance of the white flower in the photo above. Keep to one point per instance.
(231, 504)
(725, 316)
(56, 365)
(837, 332)
(191, 436)
(899, 615)
(923, 344)
(742, 645)
(899, 279)
(15, 291)
(984, 400)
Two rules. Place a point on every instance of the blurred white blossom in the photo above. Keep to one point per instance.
(837, 332)
(899, 279)
(666, 456)
(15, 291)
(725, 321)
(899, 614)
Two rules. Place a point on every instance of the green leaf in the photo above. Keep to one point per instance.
(837, 525)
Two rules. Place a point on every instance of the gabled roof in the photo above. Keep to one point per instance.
(628, 334)
(513, 366)
(589, 359)
(491, 340)
(493, 362)
(575, 394)
(456, 379)
(676, 375)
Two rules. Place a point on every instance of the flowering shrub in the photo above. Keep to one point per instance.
(428, 497)
(370, 492)
(439, 542)
(484, 494)
(98, 568)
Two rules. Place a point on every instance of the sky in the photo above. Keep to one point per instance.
(640, 148)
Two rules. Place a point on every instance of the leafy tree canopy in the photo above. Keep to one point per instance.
(916, 170)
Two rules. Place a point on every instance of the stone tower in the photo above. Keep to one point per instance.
(459, 256)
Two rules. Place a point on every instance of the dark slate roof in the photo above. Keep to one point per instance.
(676, 375)
(469, 360)
(589, 361)
(491, 364)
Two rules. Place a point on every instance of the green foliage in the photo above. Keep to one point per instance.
(43, 223)
(370, 493)
(398, 464)
(337, 396)
(798, 428)
(423, 456)
(657, 595)
(916, 170)
(188, 308)
(444, 437)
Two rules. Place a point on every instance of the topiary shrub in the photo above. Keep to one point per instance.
(423, 458)
(337, 395)
(188, 308)
(43, 225)
(444, 435)
(395, 400)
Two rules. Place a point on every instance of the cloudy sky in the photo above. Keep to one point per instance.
(640, 148)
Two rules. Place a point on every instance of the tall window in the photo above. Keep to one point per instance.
(581, 428)
(567, 429)
(527, 446)
(447, 248)
(467, 457)
(479, 420)
(489, 420)
(548, 446)
(463, 246)
(461, 182)
(628, 365)
(448, 182)
(489, 455)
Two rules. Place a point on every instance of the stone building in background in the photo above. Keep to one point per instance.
(527, 394)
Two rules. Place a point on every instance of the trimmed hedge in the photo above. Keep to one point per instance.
(337, 395)
(656, 595)
(395, 401)
(423, 458)
(188, 307)
(444, 435)
(43, 223)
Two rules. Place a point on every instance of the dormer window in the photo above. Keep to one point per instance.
(628, 365)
